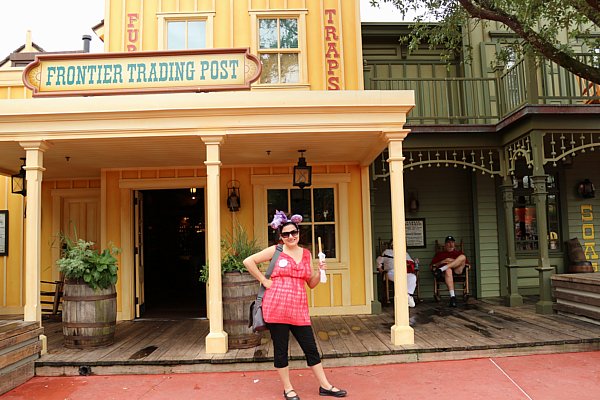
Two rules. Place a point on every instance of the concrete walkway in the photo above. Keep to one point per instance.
(537, 377)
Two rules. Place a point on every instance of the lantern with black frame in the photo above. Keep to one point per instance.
(233, 196)
(302, 172)
(586, 189)
(18, 182)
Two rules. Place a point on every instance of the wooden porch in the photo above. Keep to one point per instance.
(477, 329)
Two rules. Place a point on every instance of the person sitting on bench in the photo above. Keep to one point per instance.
(446, 262)
(385, 264)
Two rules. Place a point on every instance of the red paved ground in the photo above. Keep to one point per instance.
(545, 377)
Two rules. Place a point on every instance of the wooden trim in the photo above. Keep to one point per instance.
(161, 183)
(317, 179)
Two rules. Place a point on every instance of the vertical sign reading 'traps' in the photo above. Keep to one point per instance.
(333, 56)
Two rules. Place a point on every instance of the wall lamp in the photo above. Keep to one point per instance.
(18, 181)
(586, 189)
(233, 196)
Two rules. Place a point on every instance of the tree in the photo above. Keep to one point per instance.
(537, 23)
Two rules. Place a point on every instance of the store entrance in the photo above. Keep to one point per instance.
(173, 249)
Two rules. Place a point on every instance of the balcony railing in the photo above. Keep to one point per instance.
(452, 101)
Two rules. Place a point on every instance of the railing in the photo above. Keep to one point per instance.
(448, 100)
(453, 101)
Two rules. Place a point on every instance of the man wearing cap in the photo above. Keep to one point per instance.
(446, 262)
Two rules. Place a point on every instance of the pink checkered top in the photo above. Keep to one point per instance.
(285, 302)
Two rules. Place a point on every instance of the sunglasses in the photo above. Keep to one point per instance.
(286, 235)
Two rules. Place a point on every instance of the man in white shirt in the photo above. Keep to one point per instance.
(385, 263)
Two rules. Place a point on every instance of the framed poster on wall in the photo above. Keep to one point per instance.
(415, 233)
(3, 233)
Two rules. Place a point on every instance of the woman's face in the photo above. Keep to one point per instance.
(290, 234)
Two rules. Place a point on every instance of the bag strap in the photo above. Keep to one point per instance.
(278, 250)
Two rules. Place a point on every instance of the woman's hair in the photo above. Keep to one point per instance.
(286, 224)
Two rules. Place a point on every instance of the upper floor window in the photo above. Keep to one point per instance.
(319, 217)
(279, 50)
(186, 34)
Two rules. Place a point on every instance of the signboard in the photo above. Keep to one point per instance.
(87, 74)
(415, 233)
(3, 233)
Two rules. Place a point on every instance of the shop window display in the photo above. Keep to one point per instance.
(525, 218)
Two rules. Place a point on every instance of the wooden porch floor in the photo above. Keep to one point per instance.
(477, 329)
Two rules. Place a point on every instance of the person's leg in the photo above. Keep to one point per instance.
(280, 337)
(458, 264)
(449, 279)
(306, 339)
(411, 283)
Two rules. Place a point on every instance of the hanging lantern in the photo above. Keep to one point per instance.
(18, 181)
(302, 172)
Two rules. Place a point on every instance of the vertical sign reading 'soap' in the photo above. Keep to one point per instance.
(333, 58)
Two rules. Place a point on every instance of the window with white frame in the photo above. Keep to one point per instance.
(279, 50)
(319, 217)
(186, 34)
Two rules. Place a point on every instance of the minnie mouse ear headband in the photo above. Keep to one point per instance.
(280, 218)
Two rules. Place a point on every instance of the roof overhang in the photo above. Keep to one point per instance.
(166, 130)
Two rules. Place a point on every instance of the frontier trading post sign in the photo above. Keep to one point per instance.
(142, 72)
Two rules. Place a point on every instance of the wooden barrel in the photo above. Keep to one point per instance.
(239, 291)
(89, 316)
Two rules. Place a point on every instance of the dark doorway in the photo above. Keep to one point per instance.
(174, 250)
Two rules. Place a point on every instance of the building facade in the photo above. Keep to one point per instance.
(152, 173)
(497, 157)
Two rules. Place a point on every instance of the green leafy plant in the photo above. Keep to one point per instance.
(81, 261)
(235, 247)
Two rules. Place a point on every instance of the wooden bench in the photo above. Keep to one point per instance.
(51, 293)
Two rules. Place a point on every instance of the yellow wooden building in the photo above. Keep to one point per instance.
(152, 173)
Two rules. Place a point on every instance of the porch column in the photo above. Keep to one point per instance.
(538, 180)
(216, 340)
(514, 298)
(34, 167)
(402, 333)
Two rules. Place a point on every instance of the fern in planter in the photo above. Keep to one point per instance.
(80, 261)
(235, 247)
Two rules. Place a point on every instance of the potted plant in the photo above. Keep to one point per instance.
(89, 302)
(239, 287)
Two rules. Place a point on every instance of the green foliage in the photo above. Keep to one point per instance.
(81, 261)
(235, 248)
(554, 29)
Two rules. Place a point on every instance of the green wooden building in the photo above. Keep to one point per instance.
(496, 157)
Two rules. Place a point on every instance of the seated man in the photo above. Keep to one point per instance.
(385, 263)
(446, 262)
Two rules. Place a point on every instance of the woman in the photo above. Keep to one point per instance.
(285, 306)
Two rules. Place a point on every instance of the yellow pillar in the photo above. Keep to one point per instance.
(216, 340)
(34, 167)
(402, 333)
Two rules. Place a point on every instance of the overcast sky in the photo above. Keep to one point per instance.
(59, 24)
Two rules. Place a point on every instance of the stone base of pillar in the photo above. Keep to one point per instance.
(514, 300)
(376, 307)
(44, 341)
(544, 307)
(402, 335)
(216, 343)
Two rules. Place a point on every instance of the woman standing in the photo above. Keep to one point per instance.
(285, 306)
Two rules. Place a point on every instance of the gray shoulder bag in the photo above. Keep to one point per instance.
(255, 318)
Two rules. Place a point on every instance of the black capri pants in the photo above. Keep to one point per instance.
(280, 334)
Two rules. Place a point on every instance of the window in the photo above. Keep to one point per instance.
(524, 212)
(186, 34)
(279, 50)
(319, 218)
